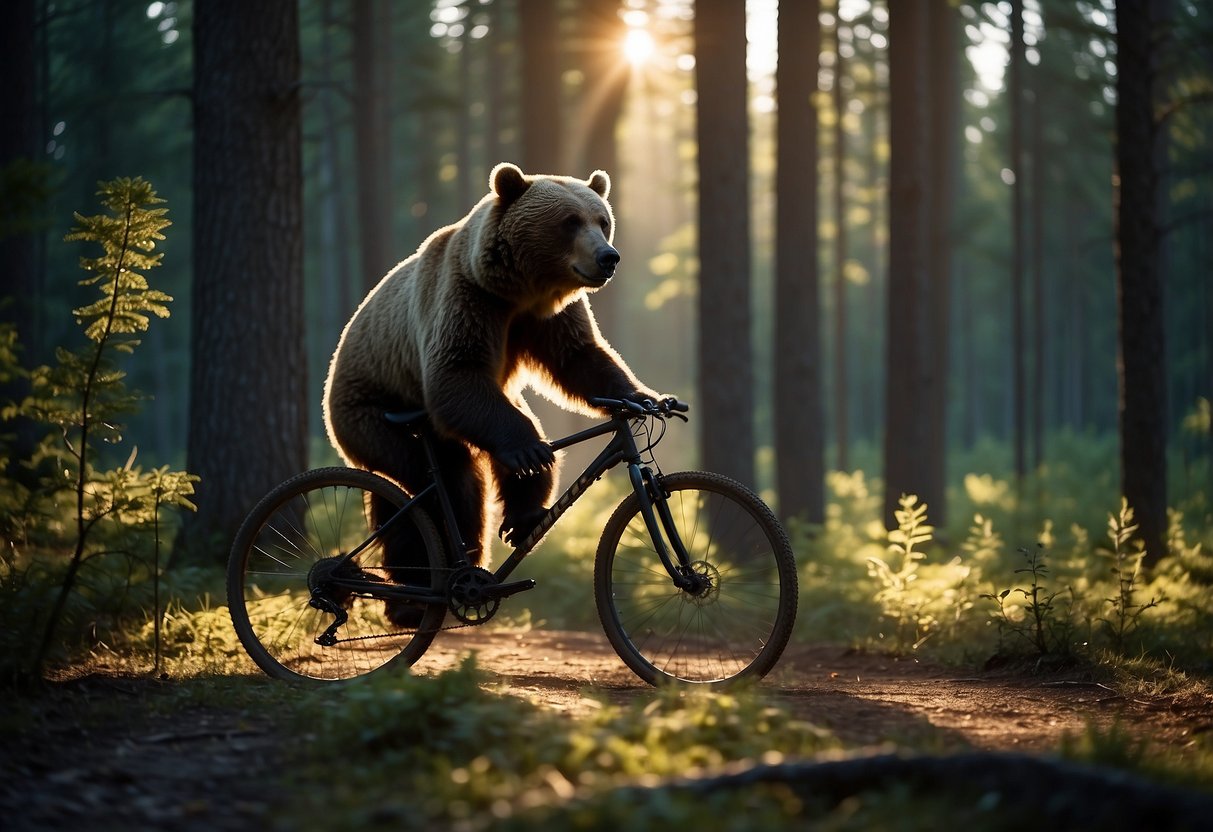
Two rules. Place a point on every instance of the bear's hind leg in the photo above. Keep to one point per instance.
(367, 440)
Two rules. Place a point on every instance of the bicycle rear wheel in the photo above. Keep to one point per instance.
(314, 518)
(738, 620)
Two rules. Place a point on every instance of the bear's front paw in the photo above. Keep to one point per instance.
(515, 528)
(529, 459)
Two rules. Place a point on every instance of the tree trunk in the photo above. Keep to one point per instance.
(1043, 332)
(248, 379)
(909, 164)
(19, 149)
(1018, 341)
(606, 83)
(374, 228)
(799, 442)
(540, 91)
(942, 157)
(606, 74)
(725, 368)
(1142, 355)
(19, 216)
(841, 385)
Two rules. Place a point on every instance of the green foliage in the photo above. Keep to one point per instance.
(968, 600)
(918, 601)
(1041, 620)
(896, 580)
(444, 749)
(1126, 555)
(1116, 746)
(79, 400)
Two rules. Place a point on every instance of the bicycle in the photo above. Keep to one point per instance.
(694, 577)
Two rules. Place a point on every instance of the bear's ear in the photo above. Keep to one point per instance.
(600, 183)
(508, 182)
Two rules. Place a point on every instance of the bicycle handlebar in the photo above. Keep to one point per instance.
(647, 407)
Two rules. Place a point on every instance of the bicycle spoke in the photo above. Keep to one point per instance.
(736, 615)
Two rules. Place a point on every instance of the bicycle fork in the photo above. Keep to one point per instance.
(654, 507)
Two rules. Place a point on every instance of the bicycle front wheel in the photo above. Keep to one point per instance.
(736, 621)
(282, 551)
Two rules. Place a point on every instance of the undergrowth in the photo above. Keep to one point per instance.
(470, 756)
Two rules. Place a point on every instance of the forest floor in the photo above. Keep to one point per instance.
(104, 751)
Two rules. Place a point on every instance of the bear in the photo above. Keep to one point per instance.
(486, 307)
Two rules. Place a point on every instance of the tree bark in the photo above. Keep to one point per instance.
(374, 229)
(942, 157)
(248, 378)
(1018, 340)
(539, 47)
(1142, 353)
(20, 282)
(908, 286)
(725, 363)
(18, 148)
(799, 441)
(606, 74)
(841, 386)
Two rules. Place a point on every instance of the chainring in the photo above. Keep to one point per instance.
(468, 599)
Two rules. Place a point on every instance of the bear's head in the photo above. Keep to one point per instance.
(558, 230)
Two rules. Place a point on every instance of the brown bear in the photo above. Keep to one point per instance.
(490, 305)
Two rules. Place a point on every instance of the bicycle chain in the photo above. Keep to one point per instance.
(410, 632)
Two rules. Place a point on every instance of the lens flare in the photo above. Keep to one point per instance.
(638, 46)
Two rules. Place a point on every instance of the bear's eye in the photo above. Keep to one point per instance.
(572, 222)
(604, 225)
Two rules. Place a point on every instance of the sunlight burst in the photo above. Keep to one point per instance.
(638, 46)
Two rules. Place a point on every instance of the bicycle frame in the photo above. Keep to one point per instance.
(621, 449)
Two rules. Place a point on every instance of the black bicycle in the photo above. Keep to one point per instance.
(694, 578)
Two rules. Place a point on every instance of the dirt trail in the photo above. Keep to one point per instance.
(861, 697)
(203, 769)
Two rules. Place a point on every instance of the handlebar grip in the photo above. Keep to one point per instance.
(669, 405)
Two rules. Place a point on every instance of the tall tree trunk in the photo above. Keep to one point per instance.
(248, 379)
(539, 47)
(725, 366)
(1043, 332)
(874, 314)
(606, 83)
(799, 442)
(909, 166)
(1018, 340)
(346, 291)
(841, 381)
(942, 157)
(495, 72)
(1142, 354)
(20, 214)
(374, 229)
(18, 150)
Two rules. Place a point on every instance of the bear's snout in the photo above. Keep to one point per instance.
(607, 259)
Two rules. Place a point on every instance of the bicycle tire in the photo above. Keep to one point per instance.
(736, 629)
(310, 517)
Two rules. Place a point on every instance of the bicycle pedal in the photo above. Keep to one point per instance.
(512, 588)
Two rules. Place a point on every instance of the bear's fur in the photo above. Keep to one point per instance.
(486, 307)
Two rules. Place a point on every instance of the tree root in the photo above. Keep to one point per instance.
(1066, 794)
